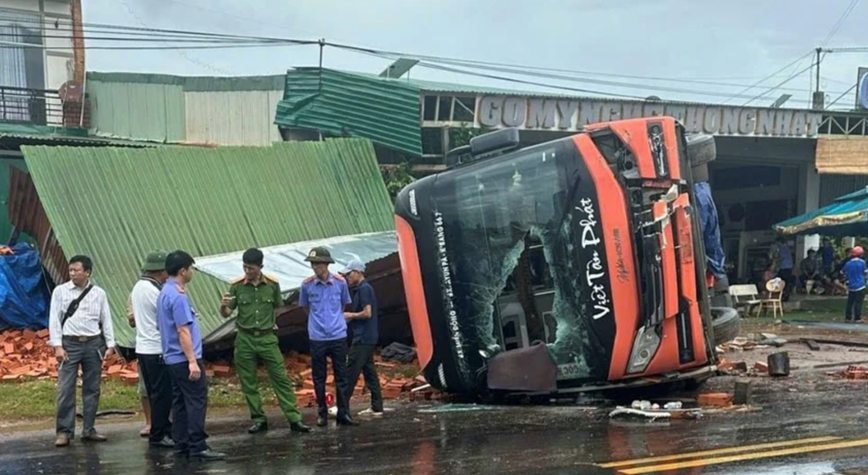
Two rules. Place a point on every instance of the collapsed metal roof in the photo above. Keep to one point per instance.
(286, 263)
(116, 205)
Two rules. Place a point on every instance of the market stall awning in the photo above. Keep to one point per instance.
(846, 216)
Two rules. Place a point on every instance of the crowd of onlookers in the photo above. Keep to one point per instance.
(821, 272)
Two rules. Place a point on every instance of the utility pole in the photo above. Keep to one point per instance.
(819, 98)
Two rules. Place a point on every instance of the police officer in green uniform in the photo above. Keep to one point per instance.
(256, 296)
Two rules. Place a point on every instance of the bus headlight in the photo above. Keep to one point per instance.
(646, 344)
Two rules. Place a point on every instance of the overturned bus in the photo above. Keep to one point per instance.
(572, 265)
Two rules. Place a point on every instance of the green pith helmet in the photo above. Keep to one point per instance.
(155, 262)
(319, 255)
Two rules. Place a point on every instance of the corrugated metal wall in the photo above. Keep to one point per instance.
(224, 111)
(834, 186)
(116, 205)
(137, 111)
(232, 117)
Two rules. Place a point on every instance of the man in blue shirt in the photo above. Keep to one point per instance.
(783, 258)
(182, 354)
(855, 270)
(324, 296)
(827, 253)
(362, 319)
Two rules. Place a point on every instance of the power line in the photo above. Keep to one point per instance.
(848, 91)
(780, 84)
(768, 77)
(840, 22)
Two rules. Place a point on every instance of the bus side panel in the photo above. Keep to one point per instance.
(618, 240)
(411, 273)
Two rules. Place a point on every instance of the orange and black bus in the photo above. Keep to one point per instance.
(569, 265)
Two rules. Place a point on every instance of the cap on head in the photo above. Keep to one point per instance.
(857, 251)
(155, 262)
(354, 265)
(319, 255)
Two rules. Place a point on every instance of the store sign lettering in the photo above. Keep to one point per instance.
(571, 115)
(595, 274)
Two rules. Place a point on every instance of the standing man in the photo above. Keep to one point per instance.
(827, 253)
(256, 296)
(855, 270)
(81, 332)
(141, 389)
(783, 257)
(158, 384)
(362, 319)
(324, 296)
(182, 352)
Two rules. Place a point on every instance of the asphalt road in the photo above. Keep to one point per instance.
(803, 425)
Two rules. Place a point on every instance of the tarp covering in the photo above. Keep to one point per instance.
(846, 216)
(286, 262)
(23, 295)
(714, 255)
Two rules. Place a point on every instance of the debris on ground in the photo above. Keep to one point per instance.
(714, 399)
(399, 352)
(852, 372)
(26, 354)
(456, 408)
(779, 364)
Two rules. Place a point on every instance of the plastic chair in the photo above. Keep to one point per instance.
(775, 288)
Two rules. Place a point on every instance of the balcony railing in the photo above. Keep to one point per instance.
(30, 106)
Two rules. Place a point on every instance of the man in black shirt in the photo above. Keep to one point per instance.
(362, 319)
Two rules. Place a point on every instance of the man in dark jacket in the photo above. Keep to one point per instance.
(362, 320)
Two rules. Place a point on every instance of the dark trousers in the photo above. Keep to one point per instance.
(789, 278)
(361, 361)
(337, 351)
(158, 383)
(87, 355)
(189, 401)
(855, 299)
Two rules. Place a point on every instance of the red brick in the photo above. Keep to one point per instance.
(761, 367)
(714, 399)
(43, 333)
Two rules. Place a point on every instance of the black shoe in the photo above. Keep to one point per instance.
(299, 427)
(322, 421)
(207, 455)
(164, 443)
(258, 427)
(346, 421)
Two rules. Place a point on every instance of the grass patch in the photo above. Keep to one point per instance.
(36, 399)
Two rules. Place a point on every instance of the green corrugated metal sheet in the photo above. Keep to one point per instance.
(116, 205)
(137, 111)
(385, 111)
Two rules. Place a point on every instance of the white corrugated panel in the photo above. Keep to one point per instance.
(232, 117)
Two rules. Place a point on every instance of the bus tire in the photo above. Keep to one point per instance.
(726, 323)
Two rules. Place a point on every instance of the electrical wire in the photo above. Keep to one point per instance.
(775, 87)
(848, 91)
(768, 77)
(837, 26)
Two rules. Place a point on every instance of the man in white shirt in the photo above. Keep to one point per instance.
(149, 349)
(81, 332)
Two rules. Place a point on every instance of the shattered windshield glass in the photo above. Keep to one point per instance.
(511, 259)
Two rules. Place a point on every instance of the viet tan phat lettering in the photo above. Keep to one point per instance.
(595, 274)
(446, 285)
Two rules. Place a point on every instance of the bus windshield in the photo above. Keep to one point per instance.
(510, 249)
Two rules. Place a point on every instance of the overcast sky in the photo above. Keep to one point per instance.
(735, 42)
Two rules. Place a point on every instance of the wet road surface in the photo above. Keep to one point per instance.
(807, 426)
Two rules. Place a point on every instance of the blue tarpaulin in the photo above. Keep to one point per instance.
(23, 296)
(846, 216)
(708, 221)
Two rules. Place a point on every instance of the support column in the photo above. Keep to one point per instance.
(808, 200)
